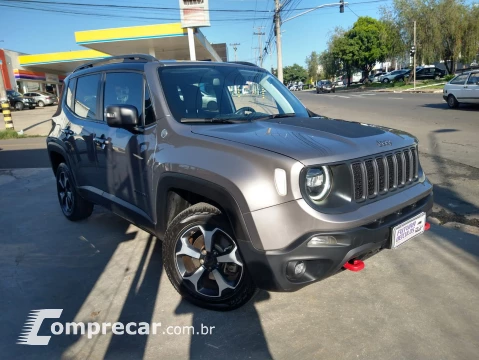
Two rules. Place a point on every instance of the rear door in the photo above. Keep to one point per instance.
(129, 153)
(85, 123)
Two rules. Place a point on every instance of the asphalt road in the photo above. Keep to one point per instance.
(419, 301)
(449, 134)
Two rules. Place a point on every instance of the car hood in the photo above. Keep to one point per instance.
(311, 140)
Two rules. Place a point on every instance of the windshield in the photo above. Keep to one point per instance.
(13, 93)
(227, 93)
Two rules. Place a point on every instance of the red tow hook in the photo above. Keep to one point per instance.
(354, 265)
(427, 226)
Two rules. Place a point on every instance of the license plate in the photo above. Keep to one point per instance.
(408, 229)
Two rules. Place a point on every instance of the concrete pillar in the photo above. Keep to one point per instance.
(191, 42)
(152, 51)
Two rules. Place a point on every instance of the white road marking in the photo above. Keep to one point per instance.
(395, 98)
(341, 96)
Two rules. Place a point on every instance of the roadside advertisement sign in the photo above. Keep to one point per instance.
(194, 13)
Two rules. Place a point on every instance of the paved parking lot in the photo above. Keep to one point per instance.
(417, 302)
(32, 121)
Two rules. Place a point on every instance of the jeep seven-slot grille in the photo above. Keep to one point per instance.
(384, 173)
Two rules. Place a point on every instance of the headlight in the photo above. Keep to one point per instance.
(318, 183)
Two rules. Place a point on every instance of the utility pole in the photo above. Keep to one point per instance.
(277, 32)
(235, 48)
(260, 33)
(414, 69)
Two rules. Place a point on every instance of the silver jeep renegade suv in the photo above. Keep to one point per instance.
(245, 187)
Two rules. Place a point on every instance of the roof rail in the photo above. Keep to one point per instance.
(243, 63)
(125, 58)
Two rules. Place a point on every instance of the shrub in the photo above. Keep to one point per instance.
(449, 77)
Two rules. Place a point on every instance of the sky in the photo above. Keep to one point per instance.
(52, 28)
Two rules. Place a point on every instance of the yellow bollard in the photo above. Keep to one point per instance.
(7, 116)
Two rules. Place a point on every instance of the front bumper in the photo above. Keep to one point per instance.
(270, 268)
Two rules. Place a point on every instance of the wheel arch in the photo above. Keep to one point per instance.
(175, 192)
(57, 155)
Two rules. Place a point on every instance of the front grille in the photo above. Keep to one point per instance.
(384, 173)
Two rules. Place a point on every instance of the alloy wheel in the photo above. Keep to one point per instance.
(65, 192)
(209, 261)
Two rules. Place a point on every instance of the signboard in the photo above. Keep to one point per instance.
(52, 78)
(194, 13)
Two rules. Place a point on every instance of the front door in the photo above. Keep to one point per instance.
(129, 166)
(471, 89)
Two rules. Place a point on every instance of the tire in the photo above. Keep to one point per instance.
(41, 104)
(452, 102)
(196, 277)
(437, 77)
(401, 79)
(19, 106)
(385, 81)
(317, 91)
(73, 206)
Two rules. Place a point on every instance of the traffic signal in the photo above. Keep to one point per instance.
(341, 6)
(412, 51)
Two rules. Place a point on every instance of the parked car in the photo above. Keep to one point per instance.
(18, 101)
(375, 77)
(396, 75)
(325, 86)
(43, 98)
(220, 187)
(463, 89)
(424, 73)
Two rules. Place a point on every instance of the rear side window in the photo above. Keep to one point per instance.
(86, 96)
(69, 95)
(459, 80)
(473, 79)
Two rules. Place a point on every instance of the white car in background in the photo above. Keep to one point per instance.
(463, 89)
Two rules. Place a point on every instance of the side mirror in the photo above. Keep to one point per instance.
(121, 116)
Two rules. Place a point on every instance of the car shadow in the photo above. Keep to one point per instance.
(444, 106)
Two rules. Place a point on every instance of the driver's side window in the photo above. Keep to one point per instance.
(253, 96)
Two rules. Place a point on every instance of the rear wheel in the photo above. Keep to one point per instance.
(452, 102)
(203, 262)
(437, 77)
(386, 80)
(73, 206)
(41, 104)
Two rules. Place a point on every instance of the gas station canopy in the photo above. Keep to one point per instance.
(164, 41)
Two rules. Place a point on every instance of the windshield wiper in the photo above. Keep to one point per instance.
(212, 120)
(276, 116)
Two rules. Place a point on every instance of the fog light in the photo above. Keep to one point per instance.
(322, 241)
(295, 269)
(299, 268)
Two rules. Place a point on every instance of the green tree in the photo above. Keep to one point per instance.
(448, 31)
(396, 46)
(368, 43)
(312, 64)
(330, 64)
(294, 73)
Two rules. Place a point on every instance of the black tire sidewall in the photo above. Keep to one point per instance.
(213, 218)
(81, 208)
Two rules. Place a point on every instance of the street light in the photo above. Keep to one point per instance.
(278, 22)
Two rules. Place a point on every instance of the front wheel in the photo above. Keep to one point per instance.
(203, 262)
(385, 81)
(452, 102)
(19, 106)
